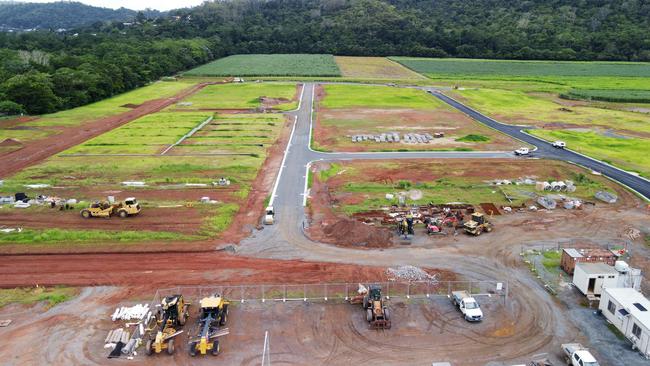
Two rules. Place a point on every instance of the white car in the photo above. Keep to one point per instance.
(559, 144)
(522, 151)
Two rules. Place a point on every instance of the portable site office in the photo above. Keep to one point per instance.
(629, 311)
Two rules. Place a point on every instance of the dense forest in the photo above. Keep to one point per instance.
(46, 71)
(60, 15)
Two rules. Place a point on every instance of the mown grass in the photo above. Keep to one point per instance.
(29, 295)
(455, 66)
(627, 153)
(241, 96)
(608, 95)
(270, 65)
(61, 236)
(522, 108)
(370, 96)
(473, 138)
(551, 259)
(220, 220)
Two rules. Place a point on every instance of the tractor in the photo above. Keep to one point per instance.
(213, 316)
(128, 207)
(173, 314)
(377, 313)
(478, 224)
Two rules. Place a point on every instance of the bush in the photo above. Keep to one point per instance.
(9, 108)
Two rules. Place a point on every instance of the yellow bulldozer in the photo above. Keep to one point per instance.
(173, 314)
(478, 224)
(213, 316)
(123, 209)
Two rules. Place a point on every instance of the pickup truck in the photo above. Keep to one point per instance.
(559, 144)
(467, 305)
(522, 151)
(577, 355)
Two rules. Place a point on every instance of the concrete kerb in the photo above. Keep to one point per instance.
(192, 132)
(302, 92)
(284, 159)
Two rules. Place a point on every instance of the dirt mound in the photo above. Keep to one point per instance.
(130, 105)
(11, 142)
(348, 232)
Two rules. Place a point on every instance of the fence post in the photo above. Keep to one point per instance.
(347, 292)
(325, 292)
(304, 292)
(387, 290)
(428, 289)
(242, 293)
(263, 298)
(284, 299)
(408, 290)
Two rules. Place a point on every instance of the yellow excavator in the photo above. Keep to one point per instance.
(213, 316)
(173, 314)
(123, 209)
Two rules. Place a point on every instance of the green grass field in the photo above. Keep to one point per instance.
(627, 153)
(242, 96)
(384, 97)
(270, 65)
(374, 68)
(52, 295)
(464, 67)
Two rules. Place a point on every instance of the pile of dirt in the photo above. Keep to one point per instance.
(353, 233)
(10, 142)
(130, 105)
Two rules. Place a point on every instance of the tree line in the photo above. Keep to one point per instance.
(46, 71)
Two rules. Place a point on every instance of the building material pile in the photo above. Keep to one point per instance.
(393, 214)
(606, 196)
(410, 273)
(137, 312)
(409, 138)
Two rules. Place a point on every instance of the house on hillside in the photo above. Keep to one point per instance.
(629, 311)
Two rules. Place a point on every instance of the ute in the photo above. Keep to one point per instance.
(467, 305)
(173, 313)
(123, 209)
(478, 224)
(269, 217)
(213, 316)
(559, 144)
(522, 151)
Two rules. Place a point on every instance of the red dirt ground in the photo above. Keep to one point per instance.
(8, 123)
(159, 270)
(178, 219)
(38, 150)
(143, 194)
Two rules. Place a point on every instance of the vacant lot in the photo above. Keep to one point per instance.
(615, 135)
(345, 111)
(278, 96)
(270, 65)
(362, 185)
(374, 68)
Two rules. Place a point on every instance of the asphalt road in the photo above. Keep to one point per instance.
(547, 151)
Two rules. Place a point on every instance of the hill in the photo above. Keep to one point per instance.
(58, 15)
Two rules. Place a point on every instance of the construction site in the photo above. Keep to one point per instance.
(260, 227)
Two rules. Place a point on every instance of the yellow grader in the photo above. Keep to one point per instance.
(213, 316)
(123, 209)
(173, 314)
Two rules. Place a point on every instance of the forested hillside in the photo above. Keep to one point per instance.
(45, 71)
(58, 15)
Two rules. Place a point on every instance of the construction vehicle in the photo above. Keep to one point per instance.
(123, 209)
(405, 226)
(377, 313)
(172, 314)
(213, 316)
(478, 224)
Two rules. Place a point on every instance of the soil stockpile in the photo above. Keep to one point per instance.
(348, 232)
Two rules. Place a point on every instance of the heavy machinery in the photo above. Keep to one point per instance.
(213, 316)
(377, 313)
(478, 224)
(123, 209)
(173, 314)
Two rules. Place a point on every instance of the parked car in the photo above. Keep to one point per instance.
(522, 151)
(559, 144)
(577, 355)
(467, 305)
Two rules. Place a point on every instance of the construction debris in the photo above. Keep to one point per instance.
(223, 182)
(5, 323)
(606, 196)
(547, 202)
(21, 204)
(36, 186)
(410, 273)
(133, 184)
(136, 312)
(409, 138)
(11, 230)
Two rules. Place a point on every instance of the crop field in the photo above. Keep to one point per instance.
(270, 65)
(347, 110)
(277, 96)
(362, 185)
(608, 95)
(146, 135)
(374, 68)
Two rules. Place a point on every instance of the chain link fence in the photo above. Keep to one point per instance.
(335, 292)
